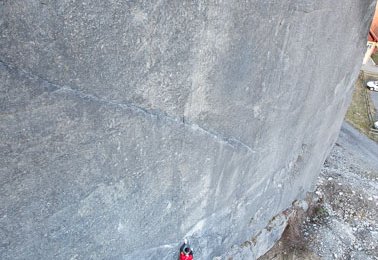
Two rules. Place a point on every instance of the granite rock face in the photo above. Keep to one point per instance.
(126, 126)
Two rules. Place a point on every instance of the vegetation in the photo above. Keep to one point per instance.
(375, 57)
(357, 114)
(319, 214)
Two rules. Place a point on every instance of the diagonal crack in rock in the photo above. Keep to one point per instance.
(231, 141)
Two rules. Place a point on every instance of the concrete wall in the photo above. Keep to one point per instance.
(126, 126)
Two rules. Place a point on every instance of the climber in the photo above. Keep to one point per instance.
(186, 253)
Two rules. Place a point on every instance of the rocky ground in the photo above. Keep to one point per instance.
(342, 222)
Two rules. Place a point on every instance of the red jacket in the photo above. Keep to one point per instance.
(185, 257)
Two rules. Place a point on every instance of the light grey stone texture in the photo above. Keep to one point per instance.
(126, 126)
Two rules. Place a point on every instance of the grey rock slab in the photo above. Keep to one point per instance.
(82, 176)
(127, 126)
(208, 62)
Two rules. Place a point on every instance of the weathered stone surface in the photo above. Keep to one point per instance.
(127, 126)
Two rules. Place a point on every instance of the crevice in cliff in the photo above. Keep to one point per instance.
(148, 113)
(304, 11)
